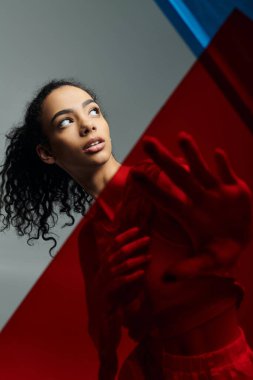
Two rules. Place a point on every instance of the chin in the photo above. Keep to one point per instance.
(100, 159)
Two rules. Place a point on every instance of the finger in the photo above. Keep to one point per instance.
(171, 201)
(129, 250)
(121, 239)
(127, 279)
(183, 163)
(131, 265)
(198, 166)
(127, 236)
(224, 167)
(173, 169)
(164, 194)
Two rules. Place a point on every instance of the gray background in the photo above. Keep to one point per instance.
(126, 50)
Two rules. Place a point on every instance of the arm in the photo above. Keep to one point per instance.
(121, 265)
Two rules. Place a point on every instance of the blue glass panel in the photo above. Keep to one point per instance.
(198, 21)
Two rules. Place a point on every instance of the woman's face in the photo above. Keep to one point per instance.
(77, 132)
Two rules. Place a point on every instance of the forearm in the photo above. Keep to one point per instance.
(108, 368)
(105, 332)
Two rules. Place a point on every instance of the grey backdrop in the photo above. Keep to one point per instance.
(126, 50)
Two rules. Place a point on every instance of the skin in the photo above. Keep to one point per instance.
(67, 135)
(70, 118)
(69, 132)
(121, 264)
(216, 210)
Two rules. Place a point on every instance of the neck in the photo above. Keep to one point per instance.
(94, 182)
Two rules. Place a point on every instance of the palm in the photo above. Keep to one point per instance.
(210, 207)
(223, 211)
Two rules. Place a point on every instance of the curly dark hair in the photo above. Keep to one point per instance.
(32, 193)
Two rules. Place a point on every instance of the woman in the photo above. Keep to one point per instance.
(47, 171)
(59, 160)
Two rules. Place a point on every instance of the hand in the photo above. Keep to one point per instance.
(122, 264)
(214, 209)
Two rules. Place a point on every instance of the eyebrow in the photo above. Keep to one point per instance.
(70, 110)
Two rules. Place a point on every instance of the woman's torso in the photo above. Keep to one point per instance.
(162, 303)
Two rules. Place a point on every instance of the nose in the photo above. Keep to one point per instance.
(85, 129)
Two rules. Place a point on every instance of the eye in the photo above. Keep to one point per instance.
(94, 111)
(64, 122)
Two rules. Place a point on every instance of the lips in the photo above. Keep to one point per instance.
(94, 145)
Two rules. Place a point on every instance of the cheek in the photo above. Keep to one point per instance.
(62, 147)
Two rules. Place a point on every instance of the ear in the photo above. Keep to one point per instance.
(44, 154)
